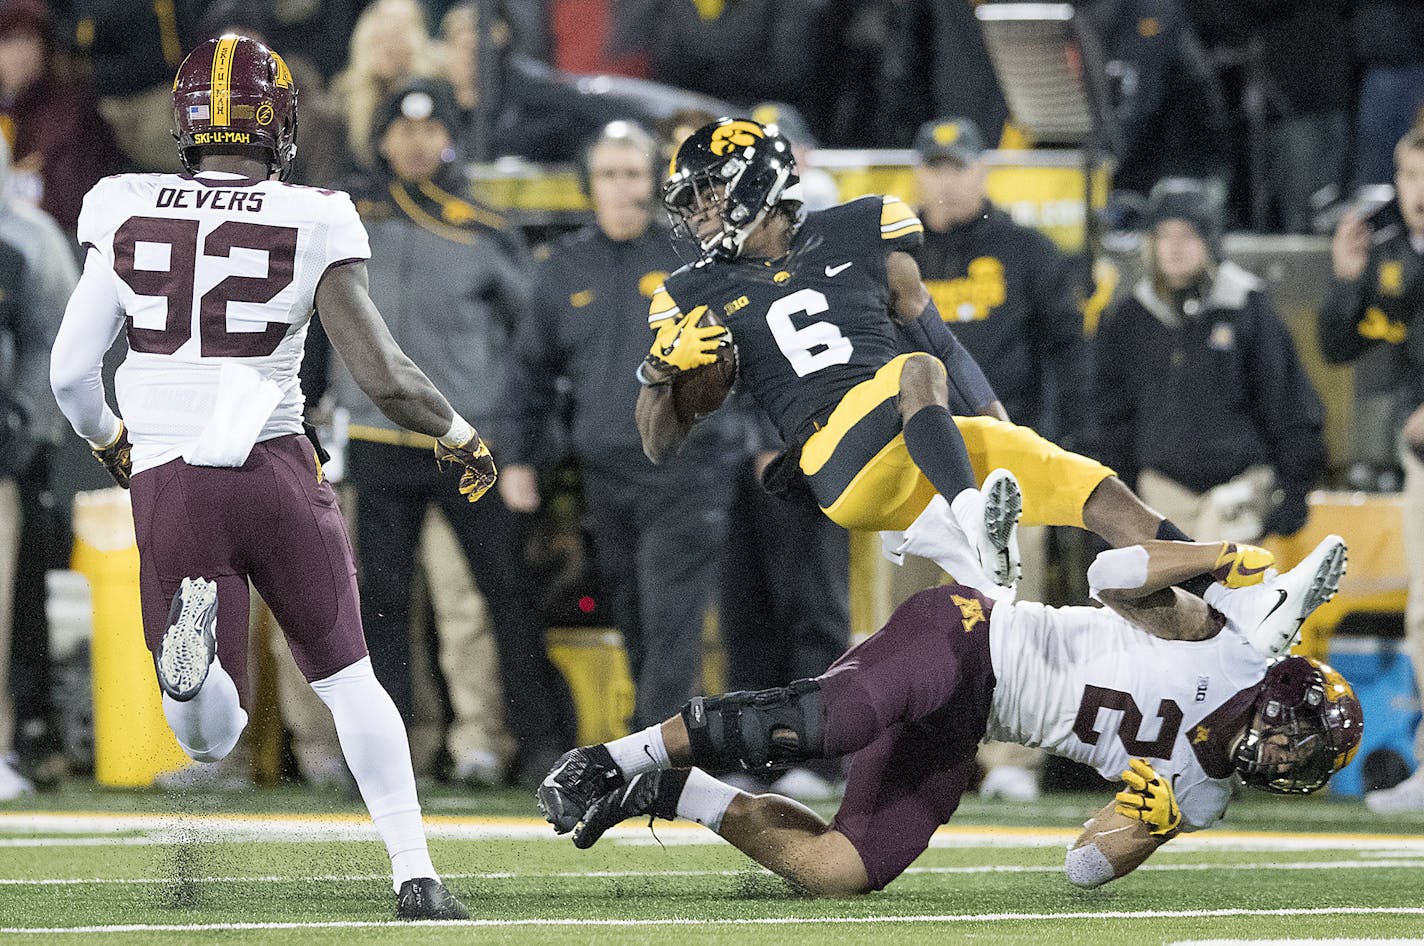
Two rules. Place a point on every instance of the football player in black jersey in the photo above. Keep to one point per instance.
(821, 306)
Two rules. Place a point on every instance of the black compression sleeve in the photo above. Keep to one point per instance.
(928, 333)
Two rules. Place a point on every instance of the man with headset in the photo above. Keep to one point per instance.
(658, 529)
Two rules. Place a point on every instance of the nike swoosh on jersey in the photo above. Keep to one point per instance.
(834, 271)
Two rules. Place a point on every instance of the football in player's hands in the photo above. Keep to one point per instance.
(700, 391)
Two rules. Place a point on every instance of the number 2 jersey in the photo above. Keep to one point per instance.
(813, 325)
(1086, 684)
(211, 270)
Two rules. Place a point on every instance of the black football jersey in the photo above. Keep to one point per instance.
(814, 324)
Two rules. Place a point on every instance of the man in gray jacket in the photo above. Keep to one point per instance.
(37, 274)
(450, 282)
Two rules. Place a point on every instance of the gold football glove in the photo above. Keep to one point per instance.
(1241, 565)
(1149, 798)
(117, 457)
(682, 344)
(480, 473)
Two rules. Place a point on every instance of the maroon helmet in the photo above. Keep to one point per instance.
(1306, 727)
(235, 91)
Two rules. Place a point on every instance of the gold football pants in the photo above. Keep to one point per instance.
(863, 477)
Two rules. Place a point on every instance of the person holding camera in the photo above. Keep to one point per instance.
(1375, 310)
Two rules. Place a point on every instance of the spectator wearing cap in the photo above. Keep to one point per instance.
(1012, 299)
(1200, 396)
(61, 145)
(450, 282)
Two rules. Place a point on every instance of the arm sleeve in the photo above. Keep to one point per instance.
(1066, 355)
(48, 279)
(533, 369)
(91, 323)
(969, 390)
(346, 239)
(1340, 317)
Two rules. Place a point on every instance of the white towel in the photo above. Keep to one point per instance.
(246, 398)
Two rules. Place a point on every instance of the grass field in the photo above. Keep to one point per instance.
(287, 866)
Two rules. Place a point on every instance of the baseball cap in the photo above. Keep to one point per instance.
(954, 139)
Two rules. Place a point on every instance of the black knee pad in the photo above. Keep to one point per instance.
(757, 730)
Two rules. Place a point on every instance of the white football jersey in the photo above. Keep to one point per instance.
(1086, 684)
(212, 270)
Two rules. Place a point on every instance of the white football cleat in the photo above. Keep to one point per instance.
(1011, 783)
(999, 540)
(190, 643)
(1270, 614)
(12, 784)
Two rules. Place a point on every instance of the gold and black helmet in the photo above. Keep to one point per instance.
(735, 168)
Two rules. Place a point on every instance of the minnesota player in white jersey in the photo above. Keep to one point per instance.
(1161, 691)
(214, 274)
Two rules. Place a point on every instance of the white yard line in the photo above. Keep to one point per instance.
(615, 874)
(752, 921)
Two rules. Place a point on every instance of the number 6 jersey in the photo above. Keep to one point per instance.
(1086, 684)
(813, 325)
(210, 270)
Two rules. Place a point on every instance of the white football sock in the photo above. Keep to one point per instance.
(705, 800)
(641, 752)
(208, 725)
(377, 751)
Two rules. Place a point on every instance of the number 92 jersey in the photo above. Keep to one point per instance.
(813, 325)
(210, 270)
(1086, 684)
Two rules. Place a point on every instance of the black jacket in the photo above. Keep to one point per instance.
(1200, 398)
(1011, 298)
(587, 323)
(1378, 319)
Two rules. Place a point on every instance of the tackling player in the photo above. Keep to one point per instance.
(821, 306)
(214, 274)
(1161, 688)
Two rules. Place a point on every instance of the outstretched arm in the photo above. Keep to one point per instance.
(1137, 582)
(1143, 817)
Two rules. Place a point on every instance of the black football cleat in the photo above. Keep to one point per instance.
(425, 898)
(638, 797)
(580, 776)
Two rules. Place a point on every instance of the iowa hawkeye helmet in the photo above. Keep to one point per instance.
(735, 169)
(235, 91)
(1306, 727)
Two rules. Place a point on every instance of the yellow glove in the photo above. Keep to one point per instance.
(1241, 565)
(474, 456)
(117, 456)
(682, 344)
(1149, 798)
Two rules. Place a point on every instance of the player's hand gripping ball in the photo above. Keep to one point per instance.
(479, 473)
(1149, 798)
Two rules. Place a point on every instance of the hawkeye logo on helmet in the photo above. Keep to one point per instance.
(737, 134)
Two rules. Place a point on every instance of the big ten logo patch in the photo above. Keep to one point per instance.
(973, 297)
(648, 283)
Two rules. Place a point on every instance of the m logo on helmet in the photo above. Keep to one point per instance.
(739, 134)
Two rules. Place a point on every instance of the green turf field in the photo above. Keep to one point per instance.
(287, 867)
